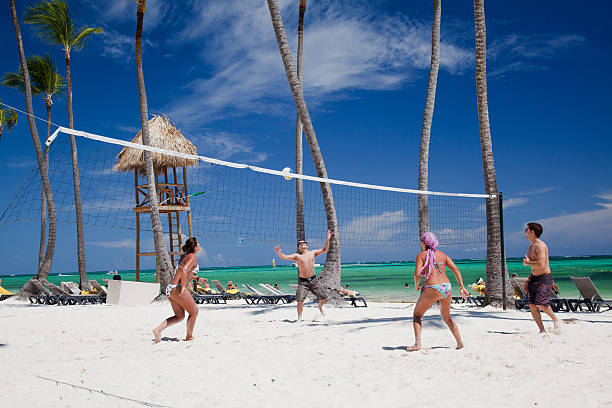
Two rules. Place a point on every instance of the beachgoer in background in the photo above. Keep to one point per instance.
(116, 276)
(307, 281)
(180, 298)
(479, 286)
(514, 275)
(540, 281)
(430, 266)
(406, 286)
(276, 286)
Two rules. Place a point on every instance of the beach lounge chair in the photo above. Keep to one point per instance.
(557, 304)
(200, 298)
(286, 297)
(589, 295)
(95, 295)
(5, 294)
(477, 300)
(224, 293)
(101, 289)
(45, 296)
(66, 297)
(263, 297)
(352, 299)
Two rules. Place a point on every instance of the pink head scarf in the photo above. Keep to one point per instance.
(429, 239)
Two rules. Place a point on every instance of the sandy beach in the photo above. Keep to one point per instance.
(243, 355)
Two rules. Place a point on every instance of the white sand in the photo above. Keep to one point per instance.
(256, 356)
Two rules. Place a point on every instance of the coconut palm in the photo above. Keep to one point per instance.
(54, 24)
(45, 81)
(494, 257)
(423, 207)
(164, 267)
(8, 119)
(299, 154)
(331, 271)
(43, 271)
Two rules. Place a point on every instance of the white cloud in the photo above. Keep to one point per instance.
(121, 46)
(515, 202)
(346, 47)
(537, 191)
(122, 11)
(226, 145)
(122, 243)
(514, 52)
(381, 227)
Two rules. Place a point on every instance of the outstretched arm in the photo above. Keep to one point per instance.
(326, 247)
(291, 257)
(451, 265)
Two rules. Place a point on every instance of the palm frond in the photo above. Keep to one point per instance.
(10, 118)
(79, 42)
(52, 21)
(45, 76)
(14, 80)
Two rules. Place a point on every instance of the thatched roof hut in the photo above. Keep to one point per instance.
(164, 136)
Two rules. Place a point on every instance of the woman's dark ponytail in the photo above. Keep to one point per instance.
(189, 247)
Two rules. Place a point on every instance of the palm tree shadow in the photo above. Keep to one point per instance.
(169, 339)
(503, 332)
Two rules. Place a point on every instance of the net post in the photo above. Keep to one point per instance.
(500, 199)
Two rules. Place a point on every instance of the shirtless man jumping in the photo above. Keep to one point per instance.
(540, 281)
(307, 281)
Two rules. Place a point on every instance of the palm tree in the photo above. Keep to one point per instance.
(43, 271)
(45, 81)
(8, 118)
(164, 267)
(53, 22)
(494, 257)
(423, 207)
(331, 271)
(299, 183)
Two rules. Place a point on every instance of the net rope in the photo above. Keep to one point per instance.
(242, 202)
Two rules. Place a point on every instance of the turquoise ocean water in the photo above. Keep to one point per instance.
(375, 281)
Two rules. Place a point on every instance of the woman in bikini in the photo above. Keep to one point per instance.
(430, 276)
(178, 293)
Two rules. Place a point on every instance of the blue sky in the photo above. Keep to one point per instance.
(215, 69)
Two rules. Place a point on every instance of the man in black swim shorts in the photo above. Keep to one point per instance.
(540, 281)
(307, 281)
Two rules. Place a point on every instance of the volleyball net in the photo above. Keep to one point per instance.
(244, 203)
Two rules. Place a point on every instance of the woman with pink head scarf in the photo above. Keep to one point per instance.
(430, 278)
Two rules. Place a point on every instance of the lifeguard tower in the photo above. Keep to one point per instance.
(170, 182)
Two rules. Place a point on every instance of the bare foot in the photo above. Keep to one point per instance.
(321, 310)
(417, 346)
(556, 327)
(459, 346)
(157, 335)
(188, 338)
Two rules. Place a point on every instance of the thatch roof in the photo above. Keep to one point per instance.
(163, 135)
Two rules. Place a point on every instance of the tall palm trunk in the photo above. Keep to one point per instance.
(78, 202)
(299, 154)
(430, 100)
(43, 202)
(330, 274)
(164, 266)
(43, 271)
(493, 277)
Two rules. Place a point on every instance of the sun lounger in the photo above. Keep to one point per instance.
(352, 299)
(223, 292)
(5, 294)
(286, 297)
(589, 295)
(67, 298)
(101, 289)
(477, 300)
(45, 296)
(263, 297)
(557, 304)
(206, 298)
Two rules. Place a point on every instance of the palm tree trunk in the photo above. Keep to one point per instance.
(43, 272)
(78, 202)
(164, 267)
(299, 153)
(494, 267)
(430, 100)
(330, 274)
(43, 202)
